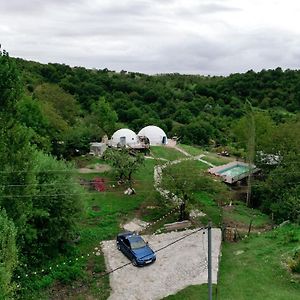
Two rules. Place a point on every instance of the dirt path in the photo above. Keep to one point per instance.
(178, 266)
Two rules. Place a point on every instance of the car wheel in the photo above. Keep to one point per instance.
(118, 246)
(134, 262)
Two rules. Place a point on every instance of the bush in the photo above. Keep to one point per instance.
(294, 263)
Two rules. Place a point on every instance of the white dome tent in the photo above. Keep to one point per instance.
(124, 137)
(155, 135)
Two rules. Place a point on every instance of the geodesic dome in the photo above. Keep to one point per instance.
(155, 135)
(123, 137)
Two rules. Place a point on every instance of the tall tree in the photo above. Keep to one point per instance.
(10, 84)
(104, 115)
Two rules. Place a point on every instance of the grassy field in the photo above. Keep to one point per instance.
(166, 153)
(215, 159)
(254, 269)
(243, 215)
(192, 150)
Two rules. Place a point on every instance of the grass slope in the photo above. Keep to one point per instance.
(255, 269)
(166, 153)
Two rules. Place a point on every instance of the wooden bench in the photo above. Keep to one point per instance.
(177, 225)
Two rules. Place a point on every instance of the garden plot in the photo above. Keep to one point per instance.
(177, 266)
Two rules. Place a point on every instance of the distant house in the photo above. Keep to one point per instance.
(154, 134)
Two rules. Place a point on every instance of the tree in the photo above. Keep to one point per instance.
(179, 180)
(17, 179)
(56, 205)
(182, 185)
(10, 84)
(8, 256)
(104, 115)
(125, 163)
(30, 114)
(63, 103)
(279, 193)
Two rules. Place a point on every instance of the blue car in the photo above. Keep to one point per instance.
(135, 248)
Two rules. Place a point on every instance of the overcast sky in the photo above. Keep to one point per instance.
(155, 36)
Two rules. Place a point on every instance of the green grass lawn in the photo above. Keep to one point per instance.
(254, 269)
(166, 153)
(192, 150)
(242, 214)
(259, 272)
(215, 159)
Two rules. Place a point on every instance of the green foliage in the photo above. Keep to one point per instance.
(30, 114)
(17, 178)
(8, 256)
(188, 182)
(104, 115)
(62, 102)
(125, 163)
(57, 205)
(279, 193)
(10, 84)
(294, 263)
(264, 128)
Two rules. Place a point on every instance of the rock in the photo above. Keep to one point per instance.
(196, 213)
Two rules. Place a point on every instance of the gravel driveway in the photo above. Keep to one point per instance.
(180, 265)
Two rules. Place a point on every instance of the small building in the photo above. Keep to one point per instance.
(97, 149)
(124, 137)
(154, 134)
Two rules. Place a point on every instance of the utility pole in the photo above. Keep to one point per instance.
(250, 148)
(209, 271)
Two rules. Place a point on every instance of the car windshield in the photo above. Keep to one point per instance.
(137, 242)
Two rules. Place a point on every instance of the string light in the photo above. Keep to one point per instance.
(165, 193)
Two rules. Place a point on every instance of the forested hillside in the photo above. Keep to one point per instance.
(77, 105)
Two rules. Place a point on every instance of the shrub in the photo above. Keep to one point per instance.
(99, 184)
(294, 262)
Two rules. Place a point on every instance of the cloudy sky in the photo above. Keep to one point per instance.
(215, 37)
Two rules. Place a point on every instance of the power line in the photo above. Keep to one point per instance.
(97, 193)
(158, 250)
(88, 182)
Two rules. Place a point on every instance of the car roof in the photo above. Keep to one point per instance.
(134, 237)
(125, 234)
